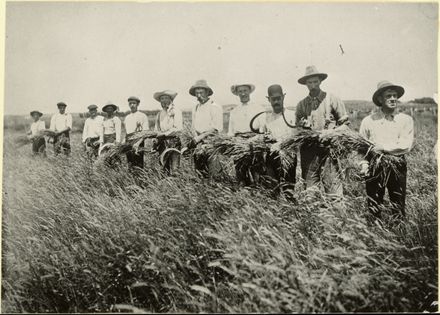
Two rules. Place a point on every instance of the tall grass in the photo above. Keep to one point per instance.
(78, 238)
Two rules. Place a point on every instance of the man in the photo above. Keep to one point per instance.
(135, 122)
(392, 133)
(207, 120)
(92, 131)
(111, 128)
(241, 115)
(35, 134)
(168, 120)
(61, 124)
(280, 122)
(320, 111)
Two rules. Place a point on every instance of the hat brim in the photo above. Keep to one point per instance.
(399, 89)
(322, 76)
(115, 108)
(36, 112)
(193, 89)
(157, 95)
(235, 87)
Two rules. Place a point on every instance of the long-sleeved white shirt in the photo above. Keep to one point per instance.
(37, 126)
(275, 124)
(394, 132)
(60, 122)
(207, 116)
(170, 119)
(111, 126)
(134, 122)
(240, 117)
(92, 127)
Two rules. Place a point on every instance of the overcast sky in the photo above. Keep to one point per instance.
(93, 53)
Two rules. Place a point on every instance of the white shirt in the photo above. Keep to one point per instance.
(92, 127)
(207, 116)
(169, 119)
(275, 124)
(37, 126)
(240, 117)
(394, 132)
(136, 122)
(111, 126)
(60, 122)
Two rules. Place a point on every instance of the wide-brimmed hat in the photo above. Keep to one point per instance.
(134, 98)
(236, 86)
(382, 86)
(311, 71)
(36, 112)
(59, 104)
(275, 90)
(92, 107)
(105, 107)
(170, 93)
(200, 84)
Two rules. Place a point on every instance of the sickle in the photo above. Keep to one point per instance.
(252, 122)
(105, 146)
(289, 125)
(162, 156)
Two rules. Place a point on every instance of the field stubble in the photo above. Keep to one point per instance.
(77, 239)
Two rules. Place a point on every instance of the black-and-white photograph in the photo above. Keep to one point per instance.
(220, 157)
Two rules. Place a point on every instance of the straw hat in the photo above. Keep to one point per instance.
(115, 108)
(200, 84)
(36, 112)
(382, 86)
(170, 93)
(236, 86)
(311, 71)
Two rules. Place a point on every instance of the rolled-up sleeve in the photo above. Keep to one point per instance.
(217, 117)
(85, 131)
(338, 107)
(178, 119)
(69, 121)
(118, 129)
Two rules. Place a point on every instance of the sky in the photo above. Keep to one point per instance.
(95, 53)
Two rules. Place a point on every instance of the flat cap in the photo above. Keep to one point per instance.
(61, 104)
(91, 107)
(134, 98)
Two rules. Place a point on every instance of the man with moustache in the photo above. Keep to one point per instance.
(320, 111)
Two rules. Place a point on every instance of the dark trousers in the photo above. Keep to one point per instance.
(135, 160)
(39, 146)
(285, 176)
(392, 179)
(61, 143)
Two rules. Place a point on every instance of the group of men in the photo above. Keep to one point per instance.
(390, 131)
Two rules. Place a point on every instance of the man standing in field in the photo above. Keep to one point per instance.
(92, 132)
(135, 122)
(320, 111)
(240, 118)
(35, 134)
(392, 133)
(279, 123)
(207, 120)
(61, 125)
(168, 120)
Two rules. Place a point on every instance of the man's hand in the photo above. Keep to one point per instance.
(304, 122)
(364, 171)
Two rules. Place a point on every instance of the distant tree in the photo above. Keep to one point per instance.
(424, 100)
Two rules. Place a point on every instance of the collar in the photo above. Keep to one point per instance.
(320, 96)
(387, 116)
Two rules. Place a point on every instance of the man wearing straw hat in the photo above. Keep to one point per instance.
(61, 125)
(92, 131)
(35, 134)
(392, 133)
(207, 120)
(320, 111)
(135, 122)
(168, 120)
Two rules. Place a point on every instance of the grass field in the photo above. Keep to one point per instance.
(81, 239)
